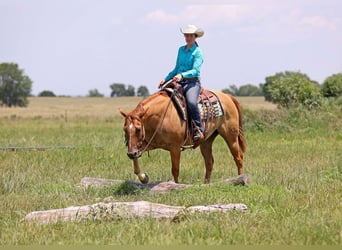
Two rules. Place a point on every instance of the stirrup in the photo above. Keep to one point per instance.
(198, 136)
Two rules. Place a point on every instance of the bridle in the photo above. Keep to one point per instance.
(143, 138)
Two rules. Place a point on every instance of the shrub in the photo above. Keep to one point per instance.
(294, 89)
(46, 93)
(332, 86)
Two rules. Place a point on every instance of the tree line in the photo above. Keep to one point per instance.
(286, 88)
(117, 90)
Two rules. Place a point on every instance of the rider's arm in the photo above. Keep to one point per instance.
(175, 70)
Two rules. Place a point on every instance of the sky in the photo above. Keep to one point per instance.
(72, 46)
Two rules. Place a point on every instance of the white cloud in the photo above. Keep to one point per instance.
(116, 20)
(208, 13)
(322, 22)
(161, 16)
(212, 13)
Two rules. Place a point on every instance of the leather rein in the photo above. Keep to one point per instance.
(148, 143)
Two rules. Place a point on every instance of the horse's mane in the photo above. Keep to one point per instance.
(153, 96)
(140, 108)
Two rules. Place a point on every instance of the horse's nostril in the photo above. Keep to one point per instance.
(133, 155)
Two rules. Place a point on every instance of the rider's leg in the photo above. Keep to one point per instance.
(192, 91)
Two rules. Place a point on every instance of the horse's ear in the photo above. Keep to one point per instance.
(123, 113)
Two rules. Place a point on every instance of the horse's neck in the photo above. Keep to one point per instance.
(154, 106)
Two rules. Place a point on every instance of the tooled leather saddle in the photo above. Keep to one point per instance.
(209, 105)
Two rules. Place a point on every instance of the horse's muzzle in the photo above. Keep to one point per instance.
(134, 154)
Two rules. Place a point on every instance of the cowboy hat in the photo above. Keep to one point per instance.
(192, 29)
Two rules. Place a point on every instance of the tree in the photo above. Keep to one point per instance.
(232, 90)
(244, 90)
(270, 80)
(332, 86)
(143, 91)
(130, 91)
(46, 93)
(94, 93)
(249, 90)
(118, 89)
(292, 88)
(15, 86)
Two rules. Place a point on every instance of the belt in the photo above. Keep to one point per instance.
(191, 79)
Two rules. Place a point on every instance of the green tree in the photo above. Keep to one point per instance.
(232, 90)
(15, 86)
(244, 90)
(130, 91)
(94, 93)
(270, 80)
(143, 91)
(249, 90)
(292, 88)
(118, 89)
(46, 93)
(332, 86)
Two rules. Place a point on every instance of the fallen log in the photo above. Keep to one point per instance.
(122, 210)
(159, 186)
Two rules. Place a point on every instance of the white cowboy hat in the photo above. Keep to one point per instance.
(192, 29)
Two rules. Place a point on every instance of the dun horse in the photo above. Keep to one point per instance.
(155, 123)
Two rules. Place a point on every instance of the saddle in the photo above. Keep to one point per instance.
(208, 103)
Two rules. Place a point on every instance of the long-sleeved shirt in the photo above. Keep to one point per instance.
(188, 63)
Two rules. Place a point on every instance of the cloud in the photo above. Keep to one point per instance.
(322, 22)
(116, 20)
(161, 16)
(208, 13)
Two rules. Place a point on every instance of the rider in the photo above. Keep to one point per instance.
(187, 72)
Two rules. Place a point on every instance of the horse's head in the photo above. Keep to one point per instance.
(134, 133)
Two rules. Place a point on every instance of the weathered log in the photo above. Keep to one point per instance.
(161, 187)
(164, 187)
(122, 210)
(242, 179)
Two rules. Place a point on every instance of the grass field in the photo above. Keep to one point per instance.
(294, 162)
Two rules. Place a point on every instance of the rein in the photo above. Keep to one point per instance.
(158, 127)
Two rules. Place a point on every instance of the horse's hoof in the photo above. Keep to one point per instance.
(144, 179)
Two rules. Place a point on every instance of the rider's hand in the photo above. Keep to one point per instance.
(177, 78)
(161, 83)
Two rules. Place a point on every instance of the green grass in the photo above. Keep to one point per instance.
(294, 162)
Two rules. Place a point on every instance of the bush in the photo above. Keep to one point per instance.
(46, 93)
(294, 89)
(332, 86)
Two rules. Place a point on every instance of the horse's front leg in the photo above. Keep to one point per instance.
(142, 176)
(175, 159)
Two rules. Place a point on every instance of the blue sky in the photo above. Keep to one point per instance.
(73, 46)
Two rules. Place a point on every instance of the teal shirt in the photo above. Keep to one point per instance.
(188, 63)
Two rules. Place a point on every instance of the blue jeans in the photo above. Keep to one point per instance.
(191, 91)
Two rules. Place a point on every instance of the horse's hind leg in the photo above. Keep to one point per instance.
(206, 150)
(231, 139)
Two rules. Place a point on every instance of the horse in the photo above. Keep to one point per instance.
(156, 124)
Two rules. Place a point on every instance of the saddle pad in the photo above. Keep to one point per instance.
(209, 105)
(210, 111)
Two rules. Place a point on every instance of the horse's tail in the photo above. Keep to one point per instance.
(242, 139)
